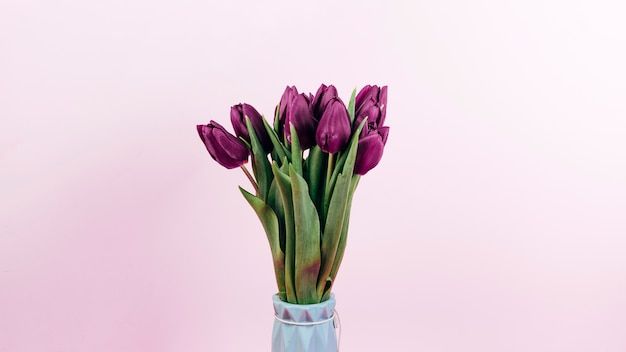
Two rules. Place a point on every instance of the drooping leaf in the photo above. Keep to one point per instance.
(270, 225)
(274, 200)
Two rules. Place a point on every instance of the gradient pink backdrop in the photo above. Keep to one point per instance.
(495, 221)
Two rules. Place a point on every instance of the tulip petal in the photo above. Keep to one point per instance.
(323, 96)
(334, 128)
(238, 114)
(228, 150)
(371, 111)
(370, 152)
(280, 119)
(299, 114)
(365, 93)
(382, 102)
(384, 133)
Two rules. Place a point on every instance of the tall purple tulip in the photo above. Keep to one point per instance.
(228, 150)
(370, 149)
(299, 114)
(296, 109)
(237, 118)
(334, 130)
(288, 95)
(371, 102)
(325, 94)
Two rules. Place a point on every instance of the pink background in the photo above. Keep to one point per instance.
(495, 221)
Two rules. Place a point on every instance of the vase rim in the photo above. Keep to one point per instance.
(331, 299)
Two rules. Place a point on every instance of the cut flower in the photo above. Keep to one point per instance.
(303, 199)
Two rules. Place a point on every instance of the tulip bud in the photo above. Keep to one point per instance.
(238, 115)
(334, 130)
(370, 150)
(323, 96)
(371, 102)
(370, 110)
(295, 109)
(366, 93)
(228, 150)
(285, 100)
(299, 114)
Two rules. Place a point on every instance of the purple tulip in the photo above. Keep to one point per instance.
(323, 96)
(228, 150)
(299, 114)
(237, 117)
(371, 102)
(370, 149)
(288, 95)
(296, 109)
(334, 130)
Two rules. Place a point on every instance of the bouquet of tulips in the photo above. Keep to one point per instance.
(306, 167)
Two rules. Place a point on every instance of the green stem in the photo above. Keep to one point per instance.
(326, 195)
(329, 173)
(245, 171)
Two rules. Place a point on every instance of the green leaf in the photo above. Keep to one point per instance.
(277, 118)
(332, 229)
(351, 106)
(348, 167)
(315, 171)
(296, 153)
(283, 182)
(341, 247)
(272, 229)
(279, 149)
(307, 230)
(345, 164)
(260, 164)
(285, 166)
(340, 160)
(275, 201)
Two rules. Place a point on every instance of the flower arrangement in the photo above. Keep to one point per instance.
(306, 167)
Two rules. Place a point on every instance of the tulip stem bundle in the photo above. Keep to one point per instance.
(303, 202)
